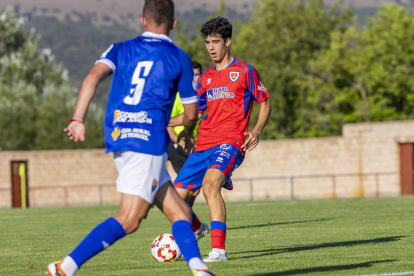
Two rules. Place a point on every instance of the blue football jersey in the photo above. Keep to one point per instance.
(148, 72)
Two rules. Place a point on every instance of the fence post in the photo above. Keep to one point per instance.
(100, 195)
(251, 189)
(66, 196)
(32, 200)
(292, 188)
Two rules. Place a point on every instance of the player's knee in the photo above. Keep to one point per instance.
(131, 225)
(128, 222)
(210, 188)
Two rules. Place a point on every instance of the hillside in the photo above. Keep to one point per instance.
(124, 13)
(78, 31)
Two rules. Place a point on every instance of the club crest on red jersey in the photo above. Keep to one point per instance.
(234, 76)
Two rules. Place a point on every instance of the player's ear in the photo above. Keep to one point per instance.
(228, 42)
(173, 23)
(143, 22)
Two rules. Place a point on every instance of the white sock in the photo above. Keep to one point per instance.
(69, 266)
(220, 251)
(197, 263)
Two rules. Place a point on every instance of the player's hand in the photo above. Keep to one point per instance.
(252, 140)
(189, 141)
(181, 144)
(76, 131)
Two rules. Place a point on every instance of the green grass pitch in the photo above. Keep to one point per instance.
(302, 237)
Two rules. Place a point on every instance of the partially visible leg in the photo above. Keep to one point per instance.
(188, 181)
(177, 156)
(135, 171)
(212, 183)
(131, 212)
(179, 214)
(193, 197)
(185, 194)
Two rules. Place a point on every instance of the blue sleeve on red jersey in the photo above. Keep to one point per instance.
(202, 98)
(185, 81)
(256, 88)
(109, 57)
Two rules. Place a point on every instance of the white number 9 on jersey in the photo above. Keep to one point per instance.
(136, 93)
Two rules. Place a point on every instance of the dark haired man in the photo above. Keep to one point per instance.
(176, 153)
(148, 70)
(226, 94)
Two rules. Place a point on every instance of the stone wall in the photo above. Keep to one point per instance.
(363, 162)
(50, 172)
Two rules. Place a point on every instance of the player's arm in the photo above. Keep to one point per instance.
(253, 136)
(172, 134)
(190, 119)
(189, 100)
(76, 128)
(178, 120)
(174, 137)
(261, 96)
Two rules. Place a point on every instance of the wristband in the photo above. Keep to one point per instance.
(74, 120)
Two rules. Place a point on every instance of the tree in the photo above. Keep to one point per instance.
(50, 133)
(365, 75)
(279, 40)
(17, 114)
(193, 44)
(34, 93)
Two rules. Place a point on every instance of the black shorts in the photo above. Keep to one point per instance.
(177, 156)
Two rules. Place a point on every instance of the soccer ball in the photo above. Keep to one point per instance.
(165, 249)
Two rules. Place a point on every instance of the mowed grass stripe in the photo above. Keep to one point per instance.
(302, 237)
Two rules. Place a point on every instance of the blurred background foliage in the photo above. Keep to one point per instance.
(323, 67)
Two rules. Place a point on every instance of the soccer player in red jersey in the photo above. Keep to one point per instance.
(226, 94)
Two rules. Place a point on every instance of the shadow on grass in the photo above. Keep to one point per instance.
(331, 269)
(296, 248)
(276, 223)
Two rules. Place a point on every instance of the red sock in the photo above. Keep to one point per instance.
(218, 238)
(196, 223)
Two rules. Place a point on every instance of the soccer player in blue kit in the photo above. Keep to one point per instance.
(148, 71)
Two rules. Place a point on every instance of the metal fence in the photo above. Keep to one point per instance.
(292, 180)
(333, 178)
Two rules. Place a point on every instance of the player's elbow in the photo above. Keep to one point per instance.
(265, 105)
(190, 112)
(193, 117)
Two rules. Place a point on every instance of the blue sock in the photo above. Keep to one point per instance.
(101, 237)
(186, 241)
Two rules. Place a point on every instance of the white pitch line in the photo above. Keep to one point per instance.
(25, 216)
(388, 274)
(13, 217)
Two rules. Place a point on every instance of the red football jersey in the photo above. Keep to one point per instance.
(228, 97)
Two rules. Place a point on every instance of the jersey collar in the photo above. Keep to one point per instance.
(159, 36)
(231, 63)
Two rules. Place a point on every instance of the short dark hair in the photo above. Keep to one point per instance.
(217, 26)
(161, 11)
(197, 65)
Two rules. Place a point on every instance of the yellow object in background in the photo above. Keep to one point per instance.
(22, 173)
(178, 108)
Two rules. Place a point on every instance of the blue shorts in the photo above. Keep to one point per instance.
(225, 158)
